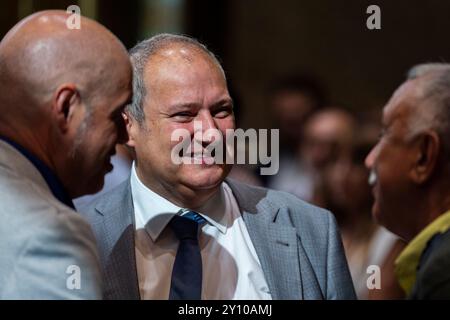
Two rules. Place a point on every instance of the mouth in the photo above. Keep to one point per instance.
(200, 159)
(373, 183)
(372, 178)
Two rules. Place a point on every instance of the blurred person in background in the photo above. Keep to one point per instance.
(327, 136)
(292, 100)
(411, 179)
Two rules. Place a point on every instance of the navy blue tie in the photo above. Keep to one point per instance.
(186, 283)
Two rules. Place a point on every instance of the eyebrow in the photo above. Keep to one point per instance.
(222, 102)
(190, 105)
(183, 106)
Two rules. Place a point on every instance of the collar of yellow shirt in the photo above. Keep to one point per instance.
(408, 261)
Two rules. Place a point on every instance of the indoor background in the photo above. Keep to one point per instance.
(258, 41)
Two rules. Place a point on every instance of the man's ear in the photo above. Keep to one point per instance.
(63, 105)
(132, 127)
(428, 149)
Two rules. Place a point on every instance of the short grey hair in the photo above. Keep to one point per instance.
(140, 55)
(434, 100)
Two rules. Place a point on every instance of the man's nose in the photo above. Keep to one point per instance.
(370, 159)
(207, 123)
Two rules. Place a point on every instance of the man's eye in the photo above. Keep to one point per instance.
(223, 113)
(182, 116)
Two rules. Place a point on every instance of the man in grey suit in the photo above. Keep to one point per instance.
(180, 230)
(60, 118)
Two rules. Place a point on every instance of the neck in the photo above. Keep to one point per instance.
(433, 205)
(30, 141)
(186, 197)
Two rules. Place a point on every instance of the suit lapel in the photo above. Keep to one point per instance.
(121, 280)
(275, 241)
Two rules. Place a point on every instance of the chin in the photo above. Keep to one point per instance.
(95, 185)
(205, 178)
(376, 212)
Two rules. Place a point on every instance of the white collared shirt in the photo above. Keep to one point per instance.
(231, 268)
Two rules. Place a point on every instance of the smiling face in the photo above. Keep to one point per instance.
(392, 160)
(184, 85)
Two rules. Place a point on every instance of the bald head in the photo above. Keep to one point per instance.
(62, 92)
(40, 54)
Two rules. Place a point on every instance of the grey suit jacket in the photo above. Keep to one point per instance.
(41, 238)
(298, 245)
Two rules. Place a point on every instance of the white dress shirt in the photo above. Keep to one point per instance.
(231, 268)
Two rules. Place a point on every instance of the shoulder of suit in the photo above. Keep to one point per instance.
(52, 217)
(34, 207)
(109, 199)
(279, 200)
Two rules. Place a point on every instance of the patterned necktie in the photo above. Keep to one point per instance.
(186, 283)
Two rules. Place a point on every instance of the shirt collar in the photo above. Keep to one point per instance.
(153, 212)
(408, 261)
(54, 184)
(217, 210)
